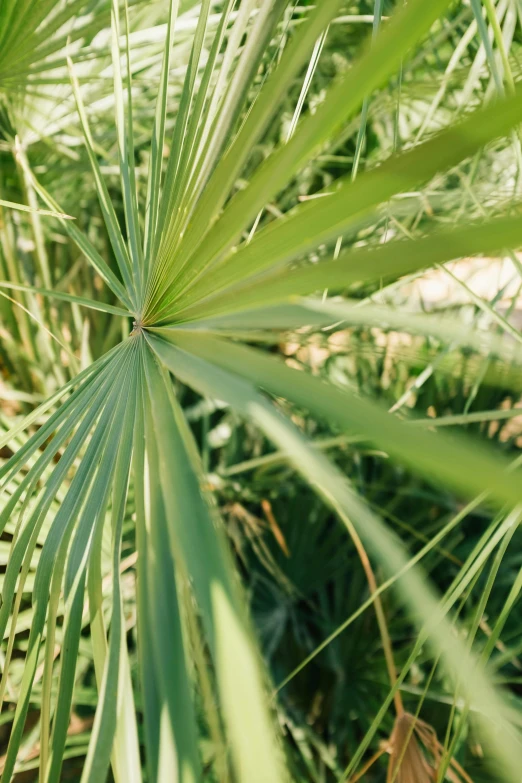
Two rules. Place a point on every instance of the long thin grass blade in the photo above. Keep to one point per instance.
(24, 208)
(65, 297)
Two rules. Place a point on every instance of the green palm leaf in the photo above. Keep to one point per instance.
(123, 441)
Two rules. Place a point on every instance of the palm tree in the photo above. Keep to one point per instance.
(200, 296)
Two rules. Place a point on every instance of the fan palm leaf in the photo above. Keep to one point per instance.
(183, 266)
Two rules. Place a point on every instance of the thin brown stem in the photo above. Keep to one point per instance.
(370, 763)
(379, 612)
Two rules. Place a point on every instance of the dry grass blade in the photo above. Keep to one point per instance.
(415, 754)
(407, 762)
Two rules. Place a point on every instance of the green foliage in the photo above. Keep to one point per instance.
(240, 178)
